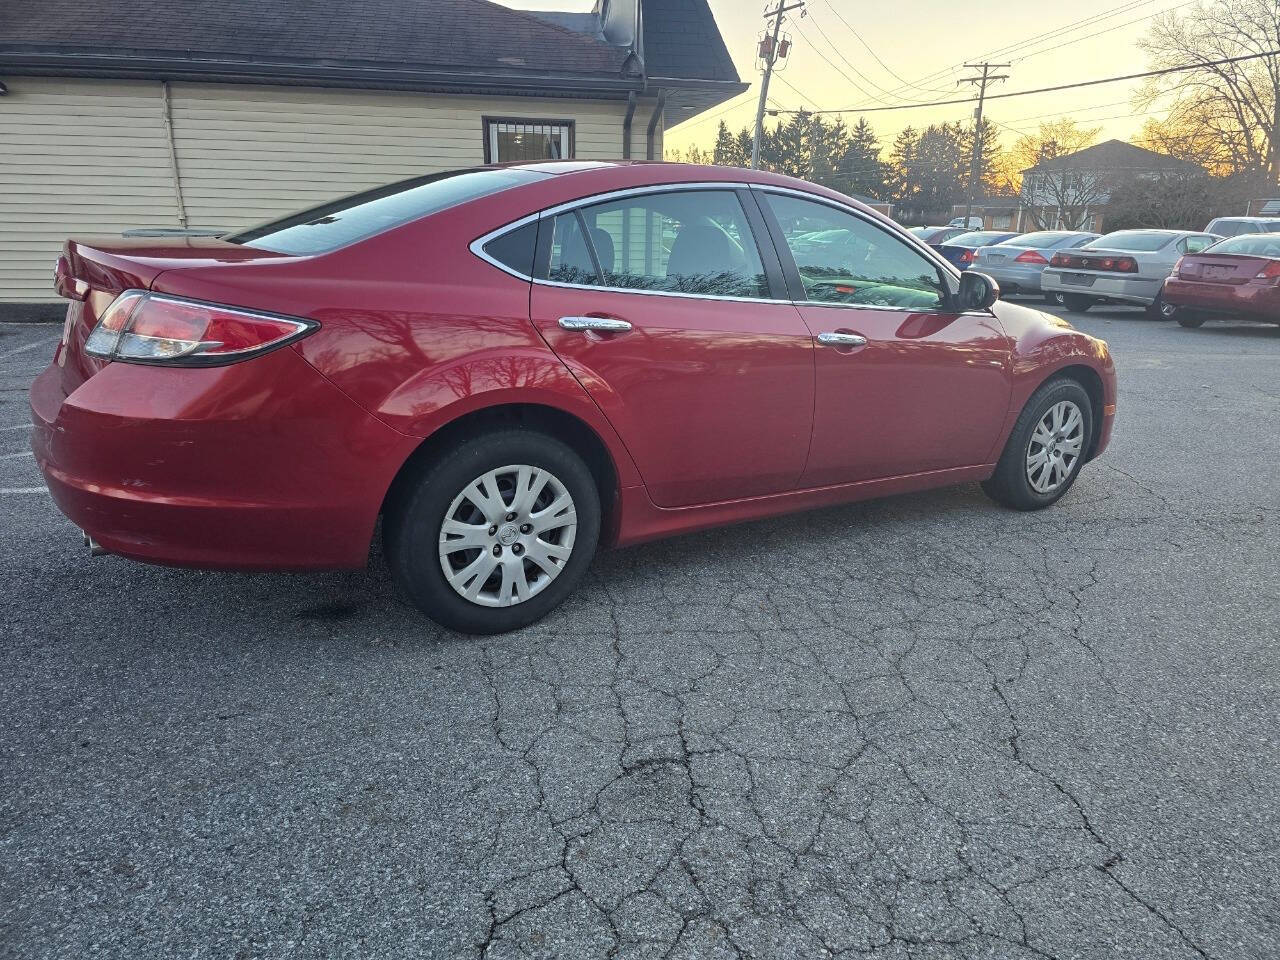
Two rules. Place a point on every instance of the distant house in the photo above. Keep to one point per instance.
(997, 213)
(175, 114)
(1263, 208)
(1071, 192)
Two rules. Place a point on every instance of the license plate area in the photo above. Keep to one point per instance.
(1079, 279)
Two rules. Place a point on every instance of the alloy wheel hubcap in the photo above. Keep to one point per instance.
(1055, 447)
(507, 535)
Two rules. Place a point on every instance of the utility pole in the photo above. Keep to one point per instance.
(975, 161)
(770, 52)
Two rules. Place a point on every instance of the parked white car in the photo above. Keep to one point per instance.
(1238, 226)
(975, 223)
(1128, 266)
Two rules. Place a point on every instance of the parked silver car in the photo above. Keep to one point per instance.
(1128, 266)
(1016, 264)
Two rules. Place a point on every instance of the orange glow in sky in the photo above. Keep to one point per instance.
(923, 42)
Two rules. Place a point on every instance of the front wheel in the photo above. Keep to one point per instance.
(1046, 448)
(495, 534)
(1075, 303)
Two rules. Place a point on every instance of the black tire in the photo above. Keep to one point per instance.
(1187, 318)
(1076, 303)
(1009, 484)
(1159, 310)
(412, 525)
(1053, 299)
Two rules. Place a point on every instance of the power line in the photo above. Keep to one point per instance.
(1062, 86)
(1033, 40)
(876, 57)
(836, 50)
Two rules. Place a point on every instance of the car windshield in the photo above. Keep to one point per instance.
(1137, 240)
(1250, 245)
(340, 222)
(1039, 240)
(979, 238)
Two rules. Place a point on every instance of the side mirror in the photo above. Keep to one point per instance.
(977, 291)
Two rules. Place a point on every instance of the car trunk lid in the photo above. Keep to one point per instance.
(1233, 269)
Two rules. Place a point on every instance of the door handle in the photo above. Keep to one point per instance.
(842, 340)
(603, 324)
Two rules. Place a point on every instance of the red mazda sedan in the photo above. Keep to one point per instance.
(511, 365)
(1235, 277)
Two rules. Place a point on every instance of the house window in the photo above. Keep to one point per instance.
(516, 140)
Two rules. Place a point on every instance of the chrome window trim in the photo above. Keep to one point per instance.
(477, 245)
(657, 293)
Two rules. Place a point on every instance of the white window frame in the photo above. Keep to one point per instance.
(493, 126)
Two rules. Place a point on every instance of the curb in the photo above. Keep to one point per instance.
(32, 312)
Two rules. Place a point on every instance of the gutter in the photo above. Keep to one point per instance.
(364, 76)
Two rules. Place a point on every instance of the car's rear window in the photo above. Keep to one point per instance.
(1136, 240)
(1039, 240)
(1250, 245)
(340, 222)
(978, 238)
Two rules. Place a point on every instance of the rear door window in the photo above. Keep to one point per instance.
(686, 241)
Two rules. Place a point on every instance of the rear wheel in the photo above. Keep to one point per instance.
(1046, 449)
(1076, 303)
(1054, 299)
(1160, 310)
(1187, 318)
(495, 534)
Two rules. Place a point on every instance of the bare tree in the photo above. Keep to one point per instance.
(1223, 115)
(1052, 192)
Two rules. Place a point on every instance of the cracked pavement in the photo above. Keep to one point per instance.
(922, 727)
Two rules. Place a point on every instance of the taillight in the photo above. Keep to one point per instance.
(1270, 272)
(156, 328)
(1030, 256)
(1079, 261)
(1177, 267)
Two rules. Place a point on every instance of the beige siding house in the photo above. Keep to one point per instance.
(229, 132)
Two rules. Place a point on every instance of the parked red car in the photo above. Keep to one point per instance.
(1235, 277)
(512, 364)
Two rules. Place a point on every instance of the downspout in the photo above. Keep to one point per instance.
(173, 153)
(650, 147)
(626, 125)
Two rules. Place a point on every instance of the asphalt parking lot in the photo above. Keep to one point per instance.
(922, 727)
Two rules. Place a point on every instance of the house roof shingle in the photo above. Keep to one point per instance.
(466, 34)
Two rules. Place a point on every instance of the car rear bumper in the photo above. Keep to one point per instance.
(1256, 299)
(257, 465)
(1113, 287)
(1013, 278)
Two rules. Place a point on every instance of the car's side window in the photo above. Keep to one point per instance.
(1196, 244)
(685, 241)
(845, 259)
(571, 258)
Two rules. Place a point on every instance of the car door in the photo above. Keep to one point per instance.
(905, 382)
(675, 319)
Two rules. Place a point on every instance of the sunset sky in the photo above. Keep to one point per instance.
(919, 38)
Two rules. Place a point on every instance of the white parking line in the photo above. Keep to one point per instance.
(23, 349)
(16, 426)
(17, 456)
(6, 490)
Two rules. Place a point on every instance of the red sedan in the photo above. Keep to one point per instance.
(511, 365)
(1236, 277)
